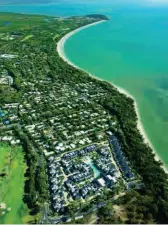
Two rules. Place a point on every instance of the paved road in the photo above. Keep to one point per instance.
(45, 218)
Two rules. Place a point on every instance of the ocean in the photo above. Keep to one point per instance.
(129, 50)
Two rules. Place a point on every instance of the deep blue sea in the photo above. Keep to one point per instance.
(131, 50)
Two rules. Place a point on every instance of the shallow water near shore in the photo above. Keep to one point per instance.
(130, 50)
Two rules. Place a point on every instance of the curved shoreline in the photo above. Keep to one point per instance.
(60, 50)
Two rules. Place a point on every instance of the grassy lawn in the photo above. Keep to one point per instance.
(27, 37)
(12, 186)
(4, 156)
(13, 21)
(56, 36)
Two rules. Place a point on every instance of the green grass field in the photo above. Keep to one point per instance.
(12, 185)
(27, 37)
(19, 21)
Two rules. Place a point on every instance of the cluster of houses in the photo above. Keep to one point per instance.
(8, 80)
(55, 178)
(8, 56)
(90, 189)
(80, 152)
(72, 189)
(54, 116)
(106, 166)
(8, 118)
(80, 176)
(8, 112)
(87, 190)
(120, 158)
(9, 36)
(71, 178)
(71, 167)
(5, 78)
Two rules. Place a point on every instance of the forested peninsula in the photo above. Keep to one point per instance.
(70, 148)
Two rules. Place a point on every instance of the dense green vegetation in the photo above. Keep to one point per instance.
(35, 44)
(154, 178)
(99, 16)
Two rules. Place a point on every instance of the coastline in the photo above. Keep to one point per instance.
(60, 50)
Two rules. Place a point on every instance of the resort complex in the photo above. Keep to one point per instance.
(78, 136)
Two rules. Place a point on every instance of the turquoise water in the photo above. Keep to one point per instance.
(6, 23)
(95, 170)
(130, 50)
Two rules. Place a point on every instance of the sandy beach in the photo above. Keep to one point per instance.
(60, 50)
(60, 44)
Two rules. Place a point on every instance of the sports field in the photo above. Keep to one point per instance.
(12, 169)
